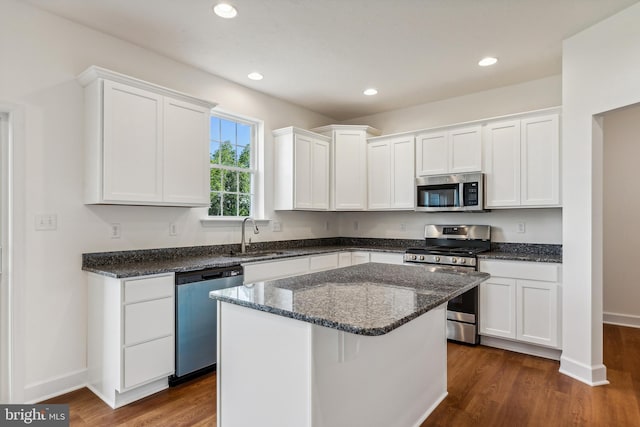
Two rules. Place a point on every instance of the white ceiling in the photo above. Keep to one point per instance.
(321, 54)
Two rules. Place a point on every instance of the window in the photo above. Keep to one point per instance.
(232, 154)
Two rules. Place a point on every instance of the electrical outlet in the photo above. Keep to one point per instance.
(403, 226)
(327, 225)
(276, 226)
(173, 229)
(356, 225)
(521, 227)
(115, 231)
(46, 222)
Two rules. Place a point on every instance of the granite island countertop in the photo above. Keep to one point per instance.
(366, 299)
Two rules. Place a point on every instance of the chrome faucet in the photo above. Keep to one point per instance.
(243, 245)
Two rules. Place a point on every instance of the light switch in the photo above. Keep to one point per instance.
(46, 222)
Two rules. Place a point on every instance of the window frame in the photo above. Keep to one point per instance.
(256, 169)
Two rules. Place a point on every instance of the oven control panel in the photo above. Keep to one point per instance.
(440, 259)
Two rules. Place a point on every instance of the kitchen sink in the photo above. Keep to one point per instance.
(256, 254)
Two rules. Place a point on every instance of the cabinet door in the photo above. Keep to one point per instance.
(323, 262)
(503, 164)
(537, 304)
(350, 175)
(320, 175)
(403, 179)
(498, 307)
(186, 153)
(387, 258)
(465, 150)
(432, 153)
(359, 258)
(269, 270)
(379, 172)
(303, 150)
(344, 259)
(132, 144)
(540, 161)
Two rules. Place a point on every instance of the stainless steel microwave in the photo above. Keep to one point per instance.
(450, 193)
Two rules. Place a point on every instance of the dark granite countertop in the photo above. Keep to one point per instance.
(531, 252)
(141, 267)
(184, 259)
(365, 299)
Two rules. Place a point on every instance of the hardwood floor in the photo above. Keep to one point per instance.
(487, 387)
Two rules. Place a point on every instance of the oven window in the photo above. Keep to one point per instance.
(438, 196)
(465, 303)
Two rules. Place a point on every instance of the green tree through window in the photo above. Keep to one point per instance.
(232, 170)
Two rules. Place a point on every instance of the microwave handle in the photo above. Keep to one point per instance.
(461, 193)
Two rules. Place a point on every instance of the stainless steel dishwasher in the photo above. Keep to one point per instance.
(196, 319)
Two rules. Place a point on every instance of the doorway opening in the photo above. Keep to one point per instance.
(5, 291)
(620, 232)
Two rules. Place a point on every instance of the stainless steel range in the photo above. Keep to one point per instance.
(455, 247)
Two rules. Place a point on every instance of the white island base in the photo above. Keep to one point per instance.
(275, 371)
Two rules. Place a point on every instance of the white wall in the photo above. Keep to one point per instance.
(621, 289)
(41, 55)
(542, 225)
(600, 73)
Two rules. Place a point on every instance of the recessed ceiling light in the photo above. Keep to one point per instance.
(255, 76)
(225, 10)
(489, 60)
(370, 92)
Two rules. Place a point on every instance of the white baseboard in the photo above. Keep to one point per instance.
(43, 390)
(431, 409)
(592, 375)
(629, 320)
(521, 347)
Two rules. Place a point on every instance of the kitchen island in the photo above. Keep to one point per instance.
(356, 346)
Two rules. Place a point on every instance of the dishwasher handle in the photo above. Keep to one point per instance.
(210, 274)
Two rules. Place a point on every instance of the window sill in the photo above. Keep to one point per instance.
(212, 221)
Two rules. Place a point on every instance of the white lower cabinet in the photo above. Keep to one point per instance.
(131, 324)
(278, 269)
(275, 269)
(359, 257)
(344, 259)
(323, 262)
(386, 258)
(521, 302)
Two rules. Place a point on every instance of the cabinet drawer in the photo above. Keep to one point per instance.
(323, 262)
(148, 288)
(148, 320)
(547, 272)
(148, 361)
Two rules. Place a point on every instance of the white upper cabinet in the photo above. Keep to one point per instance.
(145, 144)
(455, 150)
(391, 182)
(349, 165)
(540, 161)
(522, 162)
(301, 170)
